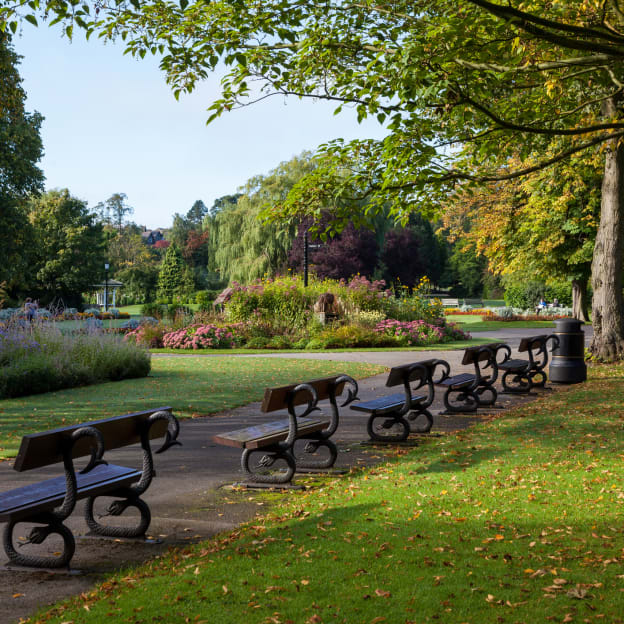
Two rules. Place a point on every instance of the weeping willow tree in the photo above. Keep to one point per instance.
(243, 247)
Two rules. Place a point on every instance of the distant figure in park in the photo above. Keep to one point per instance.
(30, 308)
(555, 302)
(541, 305)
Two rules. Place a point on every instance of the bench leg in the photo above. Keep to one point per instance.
(387, 428)
(491, 390)
(116, 508)
(258, 472)
(516, 383)
(426, 426)
(37, 536)
(542, 379)
(460, 401)
(308, 461)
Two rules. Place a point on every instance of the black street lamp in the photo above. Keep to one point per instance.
(306, 257)
(106, 267)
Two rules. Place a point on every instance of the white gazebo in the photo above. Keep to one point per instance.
(109, 287)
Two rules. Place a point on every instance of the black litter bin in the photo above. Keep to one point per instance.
(568, 356)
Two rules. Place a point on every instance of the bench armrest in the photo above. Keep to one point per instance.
(445, 370)
(501, 348)
(171, 439)
(538, 351)
(555, 341)
(71, 482)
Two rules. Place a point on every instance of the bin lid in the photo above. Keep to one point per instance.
(568, 325)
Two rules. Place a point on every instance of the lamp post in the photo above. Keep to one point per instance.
(106, 267)
(306, 257)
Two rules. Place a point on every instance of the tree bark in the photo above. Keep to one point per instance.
(607, 307)
(580, 304)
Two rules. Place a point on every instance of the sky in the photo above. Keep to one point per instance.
(112, 125)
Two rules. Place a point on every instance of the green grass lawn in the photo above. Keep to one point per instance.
(474, 322)
(192, 386)
(519, 520)
(135, 310)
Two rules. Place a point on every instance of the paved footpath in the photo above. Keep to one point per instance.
(188, 500)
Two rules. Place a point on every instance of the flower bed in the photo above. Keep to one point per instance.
(201, 337)
(528, 317)
(475, 311)
(38, 358)
(419, 333)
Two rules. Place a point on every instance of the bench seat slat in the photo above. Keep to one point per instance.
(48, 494)
(463, 379)
(268, 433)
(513, 365)
(386, 404)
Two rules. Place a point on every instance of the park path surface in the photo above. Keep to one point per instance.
(188, 500)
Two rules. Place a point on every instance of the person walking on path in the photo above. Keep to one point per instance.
(30, 308)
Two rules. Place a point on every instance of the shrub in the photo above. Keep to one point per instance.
(176, 310)
(257, 342)
(36, 359)
(200, 337)
(349, 336)
(279, 342)
(7, 314)
(204, 299)
(527, 296)
(419, 333)
(147, 335)
(154, 310)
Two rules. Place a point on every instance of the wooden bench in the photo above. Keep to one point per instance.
(450, 303)
(274, 442)
(520, 375)
(50, 502)
(465, 391)
(389, 415)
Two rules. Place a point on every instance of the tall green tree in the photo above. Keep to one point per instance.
(173, 278)
(20, 151)
(68, 254)
(197, 213)
(492, 75)
(114, 210)
(243, 247)
(542, 226)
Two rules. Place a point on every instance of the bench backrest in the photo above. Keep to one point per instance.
(277, 398)
(46, 448)
(450, 303)
(397, 373)
(532, 342)
(481, 353)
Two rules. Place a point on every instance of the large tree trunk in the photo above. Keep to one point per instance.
(580, 304)
(608, 341)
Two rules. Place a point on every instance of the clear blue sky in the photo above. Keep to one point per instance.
(112, 125)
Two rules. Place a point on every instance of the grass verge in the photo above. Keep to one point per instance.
(518, 520)
(193, 386)
(474, 323)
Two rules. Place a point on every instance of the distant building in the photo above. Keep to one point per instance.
(162, 244)
(151, 237)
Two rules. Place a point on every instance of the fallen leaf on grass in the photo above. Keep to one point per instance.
(383, 593)
(577, 592)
